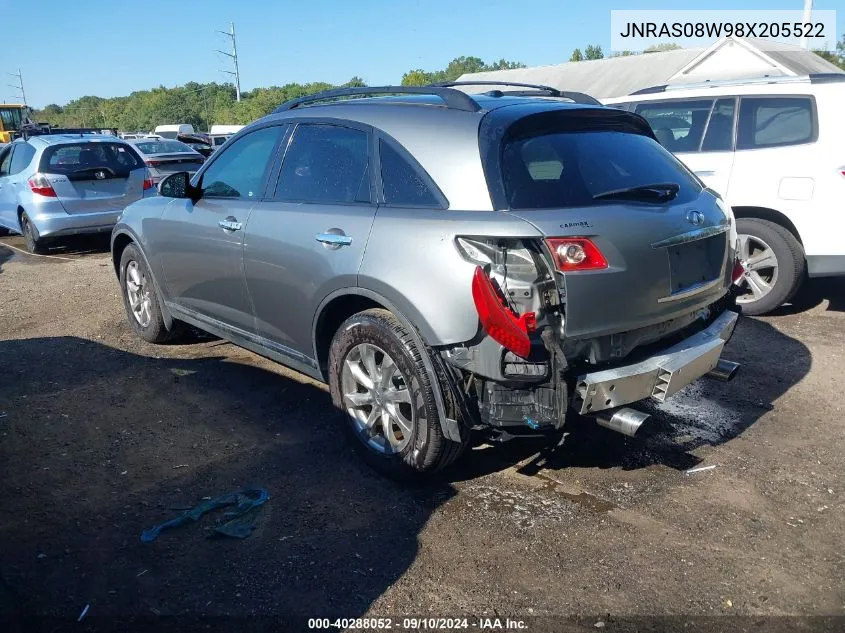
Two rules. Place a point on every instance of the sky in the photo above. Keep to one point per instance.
(110, 48)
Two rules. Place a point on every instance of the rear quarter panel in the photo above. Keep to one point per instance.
(412, 261)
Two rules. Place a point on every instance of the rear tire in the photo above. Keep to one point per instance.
(380, 385)
(34, 242)
(140, 299)
(775, 265)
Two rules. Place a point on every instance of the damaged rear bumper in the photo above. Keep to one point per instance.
(658, 376)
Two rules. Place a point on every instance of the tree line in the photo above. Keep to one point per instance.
(204, 104)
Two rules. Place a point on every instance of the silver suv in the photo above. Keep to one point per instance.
(445, 262)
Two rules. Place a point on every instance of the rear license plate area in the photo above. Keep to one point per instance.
(695, 263)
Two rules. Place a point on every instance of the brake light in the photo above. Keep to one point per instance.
(575, 253)
(499, 321)
(39, 184)
(153, 163)
(842, 171)
(148, 183)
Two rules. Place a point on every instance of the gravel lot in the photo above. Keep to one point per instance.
(102, 435)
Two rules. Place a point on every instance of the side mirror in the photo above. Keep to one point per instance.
(178, 185)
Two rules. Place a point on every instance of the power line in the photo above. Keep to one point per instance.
(234, 57)
(19, 86)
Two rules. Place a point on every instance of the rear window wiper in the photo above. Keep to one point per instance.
(657, 192)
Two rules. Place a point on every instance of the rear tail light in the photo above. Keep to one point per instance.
(499, 321)
(738, 271)
(148, 183)
(153, 163)
(842, 171)
(575, 253)
(39, 184)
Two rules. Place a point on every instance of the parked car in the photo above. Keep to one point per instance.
(773, 149)
(445, 262)
(163, 157)
(200, 143)
(172, 131)
(56, 185)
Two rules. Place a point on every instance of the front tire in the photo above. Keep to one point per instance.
(141, 299)
(379, 383)
(774, 265)
(34, 243)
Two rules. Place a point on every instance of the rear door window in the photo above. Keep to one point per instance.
(678, 125)
(82, 160)
(5, 160)
(326, 164)
(240, 170)
(402, 182)
(774, 121)
(21, 158)
(720, 127)
(569, 169)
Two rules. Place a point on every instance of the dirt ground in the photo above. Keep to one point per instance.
(101, 436)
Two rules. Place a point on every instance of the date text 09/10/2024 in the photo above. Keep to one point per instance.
(417, 624)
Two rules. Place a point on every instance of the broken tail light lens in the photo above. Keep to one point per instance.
(499, 321)
(575, 253)
(39, 184)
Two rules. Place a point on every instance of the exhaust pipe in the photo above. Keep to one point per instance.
(626, 421)
(724, 370)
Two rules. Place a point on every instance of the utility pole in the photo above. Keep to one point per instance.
(808, 15)
(18, 86)
(234, 56)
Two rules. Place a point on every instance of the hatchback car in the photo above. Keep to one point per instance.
(445, 262)
(58, 185)
(165, 156)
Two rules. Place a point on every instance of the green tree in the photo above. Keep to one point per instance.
(593, 51)
(457, 67)
(837, 58)
(577, 56)
(624, 54)
(660, 48)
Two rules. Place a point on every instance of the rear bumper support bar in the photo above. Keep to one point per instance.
(657, 377)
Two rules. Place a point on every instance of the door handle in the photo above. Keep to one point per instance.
(230, 224)
(333, 239)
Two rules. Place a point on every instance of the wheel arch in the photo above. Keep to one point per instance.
(340, 302)
(119, 241)
(771, 215)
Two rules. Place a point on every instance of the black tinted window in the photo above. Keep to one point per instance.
(77, 158)
(720, 128)
(569, 168)
(771, 121)
(241, 168)
(325, 163)
(21, 158)
(403, 184)
(678, 125)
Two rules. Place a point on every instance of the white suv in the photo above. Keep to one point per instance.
(774, 148)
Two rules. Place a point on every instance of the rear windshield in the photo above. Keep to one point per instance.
(81, 157)
(567, 169)
(164, 147)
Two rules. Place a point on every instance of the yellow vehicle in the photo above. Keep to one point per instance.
(12, 118)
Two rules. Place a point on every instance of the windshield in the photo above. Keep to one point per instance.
(163, 147)
(82, 157)
(11, 118)
(567, 169)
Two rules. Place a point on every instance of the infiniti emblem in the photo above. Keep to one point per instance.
(101, 175)
(695, 217)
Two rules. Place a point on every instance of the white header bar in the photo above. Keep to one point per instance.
(638, 30)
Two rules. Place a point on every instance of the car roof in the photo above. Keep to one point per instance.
(46, 140)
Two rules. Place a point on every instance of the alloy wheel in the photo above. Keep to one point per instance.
(761, 268)
(138, 293)
(377, 399)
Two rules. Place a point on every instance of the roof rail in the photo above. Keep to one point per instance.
(453, 99)
(815, 78)
(577, 97)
